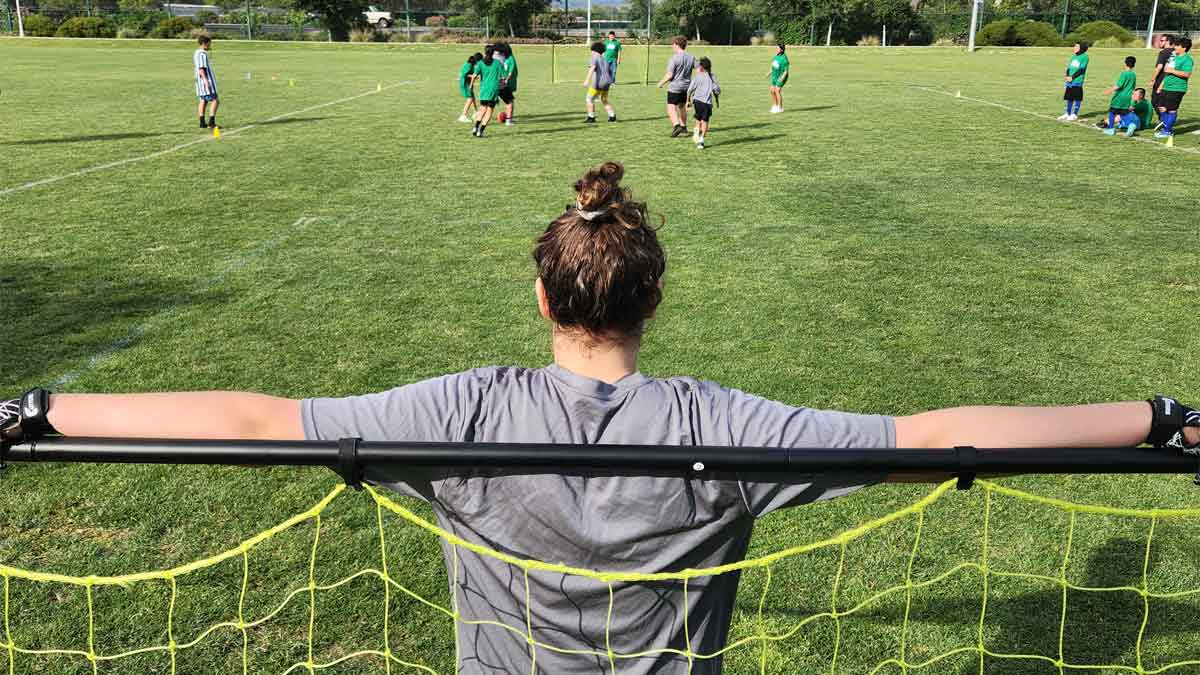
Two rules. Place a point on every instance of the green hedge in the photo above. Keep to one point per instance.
(1095, 31)
(1008, 33)
(173, 27)
(87, 27)
(40, 26)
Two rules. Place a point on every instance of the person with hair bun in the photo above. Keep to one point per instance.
(599, 270)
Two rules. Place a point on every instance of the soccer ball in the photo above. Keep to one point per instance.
(503, 117)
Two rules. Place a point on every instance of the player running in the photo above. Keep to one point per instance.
(1174, 86)
(466, 85)
(488, 72)
(780, 69)
(599, 80)
(598, 278)
(206, 83)
(1076, 73)
(612, 53)
(677, 78)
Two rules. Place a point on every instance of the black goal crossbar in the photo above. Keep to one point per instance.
(349, 456)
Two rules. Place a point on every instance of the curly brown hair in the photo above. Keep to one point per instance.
(600, 261)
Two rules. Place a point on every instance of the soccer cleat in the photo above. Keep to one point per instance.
(678, 129)
(1162, 134)
(612, 118)
(1130, 130)
(203, 124)
(590, 120)
(1158, 126)
(700, 145)
(1111, 131)
(1064, 117)
(509, 122)
(1072, 117)
(464, 119)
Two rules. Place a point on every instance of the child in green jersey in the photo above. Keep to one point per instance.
(489, 72)
(1174, 85)
(1076, 72)
(466, 85)
(779, 76)
(1122, 96)
(612, 53)
(1140, 116)
(508, 83)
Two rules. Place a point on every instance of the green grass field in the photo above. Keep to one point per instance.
(883, 246)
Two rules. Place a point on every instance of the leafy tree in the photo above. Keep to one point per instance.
(698, 18)
(339, 16)
(516, 15)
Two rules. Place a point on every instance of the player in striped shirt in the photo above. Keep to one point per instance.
(206, 83)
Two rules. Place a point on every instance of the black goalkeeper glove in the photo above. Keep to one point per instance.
(24, 419)
(1168, 422)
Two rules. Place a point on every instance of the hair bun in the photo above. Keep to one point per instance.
(600, 186)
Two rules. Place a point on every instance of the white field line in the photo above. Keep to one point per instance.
(182, 146)
(1084, 125)
(171, 310)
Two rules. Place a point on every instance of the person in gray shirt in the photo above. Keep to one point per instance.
(599, 81)
(703, 91)
(676, 79)
(599, 277)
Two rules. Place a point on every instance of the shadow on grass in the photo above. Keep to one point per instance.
(67, 312)
(746, 139)
(91, 138)
(291, 120)
(1101, 627)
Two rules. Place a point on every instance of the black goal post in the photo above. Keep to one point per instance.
(349, 456)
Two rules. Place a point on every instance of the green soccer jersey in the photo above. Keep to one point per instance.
(464, 79)
(1077, 68)
(1122, 97)
(1182, 63)
(509, 72)
(1145, 114)
(612, 50)
(489, 79)
(779, 70)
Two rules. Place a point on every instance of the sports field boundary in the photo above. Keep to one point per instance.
(206, 139)
(1080, 124)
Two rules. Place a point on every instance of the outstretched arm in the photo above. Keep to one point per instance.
(1081, 426)
(208, 414)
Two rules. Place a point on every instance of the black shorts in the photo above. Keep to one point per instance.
(703, 111)
(676, 97)
(1073, 94)
(1170, 100)
(1155, 97)
(488, 104)
(506, 95)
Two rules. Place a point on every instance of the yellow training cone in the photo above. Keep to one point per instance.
(379, 86)
(958, 94)
(1171, 141)
(216, 132)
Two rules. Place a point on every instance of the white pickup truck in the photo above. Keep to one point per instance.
(378, 18)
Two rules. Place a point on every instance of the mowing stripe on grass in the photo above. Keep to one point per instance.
(158, 319)
(1085, 125)
(182, 146)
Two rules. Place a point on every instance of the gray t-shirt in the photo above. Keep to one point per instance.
(595, 520)
(604, 78)
(703, 88)
(680, 67)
